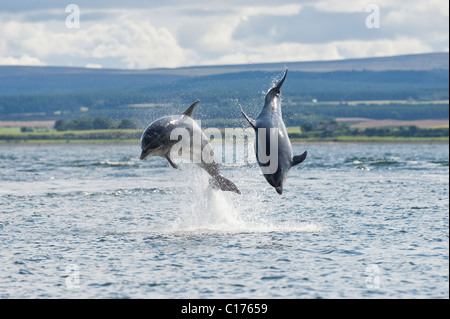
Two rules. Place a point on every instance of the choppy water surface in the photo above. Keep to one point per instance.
(355, 221)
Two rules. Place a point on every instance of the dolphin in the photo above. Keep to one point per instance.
(163, 134)
(271, 134)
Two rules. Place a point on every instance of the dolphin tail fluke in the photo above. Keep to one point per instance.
(299, 158)
(225, 184)
(278, 86)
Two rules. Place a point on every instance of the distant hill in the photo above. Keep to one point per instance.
(413, 62)
(29, 79)
(50, 93)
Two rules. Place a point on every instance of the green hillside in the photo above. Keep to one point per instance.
(313, 91)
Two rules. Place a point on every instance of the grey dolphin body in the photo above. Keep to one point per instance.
(270, 119)
(161, 135)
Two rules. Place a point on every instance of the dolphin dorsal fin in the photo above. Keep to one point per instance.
(190, 111)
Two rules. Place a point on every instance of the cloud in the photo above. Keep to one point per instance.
(335, 50)
(348, 6)
(22, 60)
(278, 10)
(137, 44)
(307, 26)
(130, 41)
(383, 47)
(136, 34)
(216, 31)
(335, 30)
(93, 66)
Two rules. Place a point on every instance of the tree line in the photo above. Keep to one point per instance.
(98, 123)
(333, 129)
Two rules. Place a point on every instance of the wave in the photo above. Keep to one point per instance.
(8, 157)
(115, 164)
(114, 192)
(226, 229)
(442, 163)
(383, 162)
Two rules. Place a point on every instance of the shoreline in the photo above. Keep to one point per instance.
(375, 141)
(5, 143)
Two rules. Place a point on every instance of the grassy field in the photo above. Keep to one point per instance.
(11, 135)
(15, 136)
(69, 141)
(372, 139)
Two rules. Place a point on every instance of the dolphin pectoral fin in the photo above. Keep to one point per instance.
(225, 184)
(299, 158)
(252, 122)
(190, 111)
(170, 160)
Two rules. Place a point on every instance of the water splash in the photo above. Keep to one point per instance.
(207, 209)
(211, 211)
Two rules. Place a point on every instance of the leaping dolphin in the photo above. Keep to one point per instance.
(161, 135)
(271, 135)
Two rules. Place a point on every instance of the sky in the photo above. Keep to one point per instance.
(135, 34)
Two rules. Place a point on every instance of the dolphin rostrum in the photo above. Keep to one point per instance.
(162, 138)
(271, 135)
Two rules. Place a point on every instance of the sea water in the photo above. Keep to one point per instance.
(354, 221)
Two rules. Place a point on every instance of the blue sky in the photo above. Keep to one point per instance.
(173, 33)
